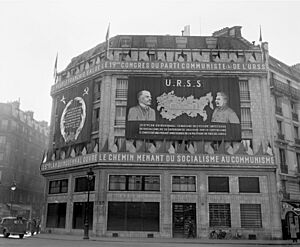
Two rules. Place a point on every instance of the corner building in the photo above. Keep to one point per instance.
(158, 177)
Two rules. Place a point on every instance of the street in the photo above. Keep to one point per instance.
(46, 240)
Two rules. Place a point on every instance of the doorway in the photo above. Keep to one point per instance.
(183, 215)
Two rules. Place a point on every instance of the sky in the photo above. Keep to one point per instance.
(34, 31)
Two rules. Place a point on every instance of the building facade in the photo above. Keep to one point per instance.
(22, 143)
(285, 95)
(176, 130)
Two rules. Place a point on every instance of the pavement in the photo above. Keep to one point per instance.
(237, 242)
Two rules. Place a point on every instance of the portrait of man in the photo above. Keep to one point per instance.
(142, 111)
(223, 113)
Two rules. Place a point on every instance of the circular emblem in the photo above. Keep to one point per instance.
(72, 119)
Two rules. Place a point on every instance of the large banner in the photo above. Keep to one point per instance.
(194, 108)
(74, 112)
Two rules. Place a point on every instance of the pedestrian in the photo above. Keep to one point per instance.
(293, 232)
(33, 227)
(191, 229)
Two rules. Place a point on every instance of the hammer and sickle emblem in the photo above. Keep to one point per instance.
(85, 91)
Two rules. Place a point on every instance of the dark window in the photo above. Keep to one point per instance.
(298, 161)
(249, 185)
(184, 183)
(133, 216)
(58, 186)
(218, 184)
(56, 215)
(81, 184)
(279, 126)
(134, 183)
(96, 119)
(79, 214)
(251, 216)
(97, 90)
(219, 215)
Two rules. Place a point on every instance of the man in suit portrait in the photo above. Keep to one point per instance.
(142, 111)
(223, 113)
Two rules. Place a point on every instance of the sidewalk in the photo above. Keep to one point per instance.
(166, 240)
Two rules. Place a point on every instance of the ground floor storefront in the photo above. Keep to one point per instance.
(165, 202)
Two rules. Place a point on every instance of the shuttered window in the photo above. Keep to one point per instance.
(251, 216)
(122, 87)
(219, 215)
(246, 118)
(244, 90)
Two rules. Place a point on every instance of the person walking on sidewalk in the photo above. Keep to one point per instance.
(293, 232)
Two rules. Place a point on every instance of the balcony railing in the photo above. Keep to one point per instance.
(284, 169)
(285, 88)
(280, 136)
(295, 116)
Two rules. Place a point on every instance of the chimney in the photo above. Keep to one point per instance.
(229, 32)
(16, 104)
(186, 30)
(297, 66)
(29, 113)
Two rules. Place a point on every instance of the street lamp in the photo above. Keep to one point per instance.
(89, 177)
(12, 188)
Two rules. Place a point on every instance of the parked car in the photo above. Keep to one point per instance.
(13, 226)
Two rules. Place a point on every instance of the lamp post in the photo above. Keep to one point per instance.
(89, 177)
(12, 188)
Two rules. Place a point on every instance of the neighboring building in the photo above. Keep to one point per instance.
(23, 141)
(285, 89)
(189, 162)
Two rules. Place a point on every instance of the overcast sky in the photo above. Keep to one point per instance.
(33, 31)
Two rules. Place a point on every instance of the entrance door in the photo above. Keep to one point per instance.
(183, 215)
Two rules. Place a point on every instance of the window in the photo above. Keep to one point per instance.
(282, 156)
(134, 183)
(218, 184)
(96, 119)
(97, 90)
(184, 183)
(244, 90)
(219, 215)
(133, 216)
(279, 126)
(79, 213)
(120, 115)
(56, 215)
(122, 87)
(296, 132)
(58, 186)
(81, 184)
(251, 216)
(278, 105)
(298, 161)
(1, 156)
(117, 183)
(249, 185)
(246, 118)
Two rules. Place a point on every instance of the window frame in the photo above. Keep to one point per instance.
(60, 186)
(215, 177)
